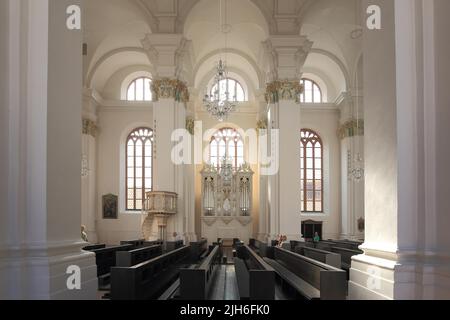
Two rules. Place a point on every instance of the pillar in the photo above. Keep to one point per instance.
(288, 54)
(351, 133)
(406, 126)
(169, 112)
(89, 166)
(40, 220)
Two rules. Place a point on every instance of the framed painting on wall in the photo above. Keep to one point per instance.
(110, 206)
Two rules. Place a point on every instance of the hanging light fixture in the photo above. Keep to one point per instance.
(219, 103)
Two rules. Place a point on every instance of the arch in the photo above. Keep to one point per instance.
(336, 60)
(237, 52)
(312, 180)
(105, 57)
(129, 79)
(138, 167)
(227, 142)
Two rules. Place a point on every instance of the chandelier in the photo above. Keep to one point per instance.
(218, 102)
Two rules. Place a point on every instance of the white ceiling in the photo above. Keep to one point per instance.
(114, 30)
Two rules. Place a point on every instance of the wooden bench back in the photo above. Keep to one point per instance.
(136, 256)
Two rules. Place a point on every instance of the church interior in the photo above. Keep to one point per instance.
(224, 150)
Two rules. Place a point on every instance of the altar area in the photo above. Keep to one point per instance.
(227, 201)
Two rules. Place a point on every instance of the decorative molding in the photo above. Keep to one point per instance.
(351, 128)
(244, 221)
(190, 125)
(170, 89)
(90, 128)
(227, 220)
(283, 90)
(262, 125)
(209, 220)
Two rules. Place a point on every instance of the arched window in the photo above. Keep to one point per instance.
(235, 90)
(140, 90)
(312, 92)
(311, 155)
(227, 143)
(139, 165)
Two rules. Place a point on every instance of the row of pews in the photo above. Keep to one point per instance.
(150, 270)
(308, 270)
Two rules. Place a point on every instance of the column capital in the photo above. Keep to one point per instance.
(170, 89)
(283, 90)
(286, 55)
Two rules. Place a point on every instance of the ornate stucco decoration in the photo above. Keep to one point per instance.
(89, 128)
(170, 89)
(283, 90)
(351, 128)
(261, 125)
(190, 125)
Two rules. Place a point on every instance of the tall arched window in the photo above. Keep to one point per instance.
(139, 165)
(227, 143)
(235, 90)
(311, 155)
(312, 92)
(140, 90)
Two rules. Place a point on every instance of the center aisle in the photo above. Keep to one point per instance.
(225, 285)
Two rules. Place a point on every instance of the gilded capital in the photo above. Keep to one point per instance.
(351, 128)
(170, 89)
(283, 90)
(89, 128)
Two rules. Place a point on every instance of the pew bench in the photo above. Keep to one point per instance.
(327, 257)
(149, 279)
(196, 283)
(256, 279)
(308, 277)
(105, 258)
(199, 250)
(136, 256)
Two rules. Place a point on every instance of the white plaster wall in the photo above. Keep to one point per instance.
(115, 123)
(325, 123)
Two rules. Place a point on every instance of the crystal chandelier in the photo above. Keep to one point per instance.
(219, 103)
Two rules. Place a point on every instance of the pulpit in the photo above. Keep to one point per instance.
(158, 207)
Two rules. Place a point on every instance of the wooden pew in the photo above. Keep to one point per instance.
(326, 245)
(311, 278)
(105, 258)
(327, 257)
(346, 256)
(174, 245)
(136, 256)
(149, 279)
(256, 279)
(295, 244)
(258, 246)
(195, 283)
(140, 243)
(94, 247)
(199, 250)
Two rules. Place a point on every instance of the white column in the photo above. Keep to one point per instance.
(89, 167)
(352, 144)
(40, 228)
(289, 54)
(169, 112)
(407, 240)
